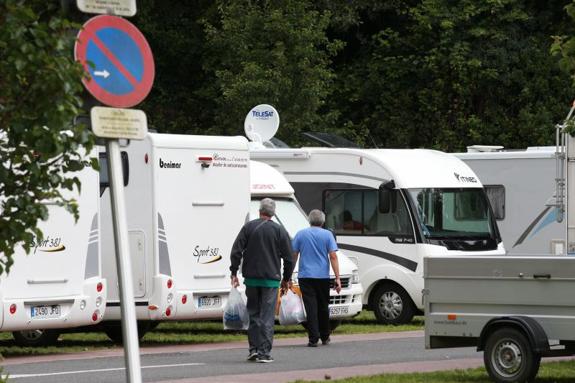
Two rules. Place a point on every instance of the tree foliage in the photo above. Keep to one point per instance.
(40, 87)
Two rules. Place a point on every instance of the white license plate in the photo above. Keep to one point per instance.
(209, 302)
(338, 310)
(44, 312)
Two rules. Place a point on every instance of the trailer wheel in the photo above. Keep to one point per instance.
(392, 304)
(36, 338)
(113, 330)
(508, 357)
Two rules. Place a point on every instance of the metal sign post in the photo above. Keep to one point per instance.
(123, 262)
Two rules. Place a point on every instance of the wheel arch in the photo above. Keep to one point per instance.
(528, 326)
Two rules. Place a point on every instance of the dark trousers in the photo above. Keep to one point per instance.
(262, 310)
(315, 294)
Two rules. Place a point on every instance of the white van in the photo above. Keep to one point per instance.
(390, 209)
(268, 182)
(59, 284)
(187, 197)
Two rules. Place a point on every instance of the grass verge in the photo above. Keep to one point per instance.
(553, 372)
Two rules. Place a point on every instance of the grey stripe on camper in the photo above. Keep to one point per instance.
(92, 261)
(164, 256)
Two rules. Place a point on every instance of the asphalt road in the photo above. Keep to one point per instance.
(347, 355)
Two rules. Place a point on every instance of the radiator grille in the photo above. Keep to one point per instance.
(344, 283)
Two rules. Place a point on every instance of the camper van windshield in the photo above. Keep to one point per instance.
(288, 214)
(453, 213)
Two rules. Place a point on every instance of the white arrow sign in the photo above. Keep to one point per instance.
(102, 73)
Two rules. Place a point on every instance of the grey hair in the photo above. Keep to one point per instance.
(268, 207)
(316, 217)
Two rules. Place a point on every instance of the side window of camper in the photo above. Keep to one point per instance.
(496, 196)
(104, 179)
(356, 212)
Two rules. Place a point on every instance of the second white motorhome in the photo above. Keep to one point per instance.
(390, 209)
(187, 197)
(520, 185)
(59, 284)
(268, 182)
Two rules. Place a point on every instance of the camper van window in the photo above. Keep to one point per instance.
(355, 212)
(104, 179)
(453, 213)
(496, 196)
(288, 214)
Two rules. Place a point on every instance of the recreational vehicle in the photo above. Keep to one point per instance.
(390, 209)
(268, 182)
(59, 284)
(520, 185)
(515, 308)
(187, 197)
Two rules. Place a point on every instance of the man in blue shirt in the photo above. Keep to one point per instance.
(317, 248)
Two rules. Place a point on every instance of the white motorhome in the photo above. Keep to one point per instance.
(187, 197)
(268, 182)
(520, 185)
(515, 308)
(390, 209)
(59, 284)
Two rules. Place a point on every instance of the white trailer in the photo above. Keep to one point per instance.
(520, 187)
(268, 182)
(517, 309)
(391, 209)
(187, 198)
(59, 284)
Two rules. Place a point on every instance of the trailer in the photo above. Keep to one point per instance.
(390, 209)
(515, 308)
(187, 197)
(521, 190)
(268, 182)
(59, 284)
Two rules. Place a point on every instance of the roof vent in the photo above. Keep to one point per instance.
(484, 148)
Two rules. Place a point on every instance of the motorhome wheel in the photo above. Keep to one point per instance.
(32, 338)
(508, 357)
(113, 330)
(392, 305)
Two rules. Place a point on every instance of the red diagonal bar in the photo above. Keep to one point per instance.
(117, 63)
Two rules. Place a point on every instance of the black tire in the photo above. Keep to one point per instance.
(113, 330)
(36, 338)
(392, 304)
(508, 357)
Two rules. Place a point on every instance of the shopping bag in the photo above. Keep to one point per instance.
(236, 313)
(291, 309)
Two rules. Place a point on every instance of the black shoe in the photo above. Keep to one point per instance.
(264, 359)
(312, 344)
(253, 356)
(325, 342)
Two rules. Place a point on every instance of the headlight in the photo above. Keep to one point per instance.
(355, 276)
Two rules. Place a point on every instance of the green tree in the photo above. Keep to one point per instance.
(273, 52)
(40, 88)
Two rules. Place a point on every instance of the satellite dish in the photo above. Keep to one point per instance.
(261, 123)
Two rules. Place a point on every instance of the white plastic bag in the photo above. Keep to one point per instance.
(236, 313)
(291, 309)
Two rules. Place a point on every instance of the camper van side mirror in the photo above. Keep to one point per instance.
(385, 197)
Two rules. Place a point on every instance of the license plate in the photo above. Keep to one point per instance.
(44, 312)
(209, 302)
(338, 310)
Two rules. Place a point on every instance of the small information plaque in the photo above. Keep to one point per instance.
(115, 7)
(119, 123)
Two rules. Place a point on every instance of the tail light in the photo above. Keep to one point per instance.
(184, 298)
(170, 283)
(13, 308)
(169, 311)
(99, 287)
(95, 316)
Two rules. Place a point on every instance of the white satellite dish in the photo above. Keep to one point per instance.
(261, 123)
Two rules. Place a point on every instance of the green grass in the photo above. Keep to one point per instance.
(190, 333)
(554, 372)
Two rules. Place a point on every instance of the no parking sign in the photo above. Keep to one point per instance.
(119, 60)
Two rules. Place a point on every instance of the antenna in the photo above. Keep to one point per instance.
(261, 123)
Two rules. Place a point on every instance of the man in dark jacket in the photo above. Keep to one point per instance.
(262, 244)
